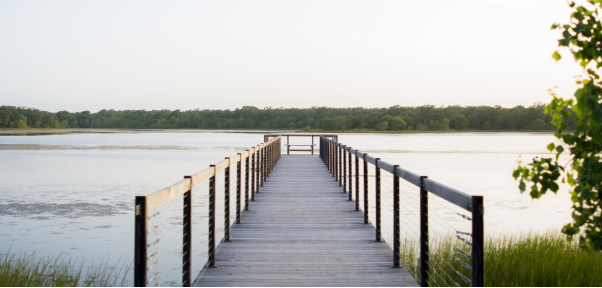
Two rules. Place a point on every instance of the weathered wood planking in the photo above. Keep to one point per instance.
(301, 230)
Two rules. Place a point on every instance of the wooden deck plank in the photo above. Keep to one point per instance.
(301, 230)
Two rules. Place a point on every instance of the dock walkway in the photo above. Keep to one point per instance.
(302, 231)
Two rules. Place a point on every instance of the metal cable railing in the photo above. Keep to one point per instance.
(436, 231)
(200, 209)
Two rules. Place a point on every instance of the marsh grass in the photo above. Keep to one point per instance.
(528, 259)
(28, 270)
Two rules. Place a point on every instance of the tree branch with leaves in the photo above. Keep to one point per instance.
(582, 36)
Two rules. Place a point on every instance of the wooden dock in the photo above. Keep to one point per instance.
(302, 231)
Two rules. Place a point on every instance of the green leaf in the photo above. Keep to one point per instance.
(522, 187)
(553, 186)
(574, 197)
(556, 56)
(547, 109)
(534, 192)
(559, 149)
(551, 147)
(516, 173)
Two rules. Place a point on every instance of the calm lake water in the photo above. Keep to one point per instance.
(74, 193)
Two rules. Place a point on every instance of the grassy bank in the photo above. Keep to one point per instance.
(530, 260)
(29, 270)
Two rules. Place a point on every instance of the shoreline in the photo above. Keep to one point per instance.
(50, 131)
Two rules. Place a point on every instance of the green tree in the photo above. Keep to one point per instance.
(487, 125)
(460, 122)
(327, 123)
(397, 117)
(435, 125)
(583, 172)
(382, 126)
(397, 123)
(340, 122)
(445, 125)
(538, 125)
(498, 124)
(21, 121)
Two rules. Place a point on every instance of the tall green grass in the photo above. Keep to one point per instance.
(528, 259)
(28, 270)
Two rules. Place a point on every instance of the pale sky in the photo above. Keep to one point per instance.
(220, 54)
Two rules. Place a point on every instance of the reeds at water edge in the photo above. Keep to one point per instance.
(524, 259)
(29, 270)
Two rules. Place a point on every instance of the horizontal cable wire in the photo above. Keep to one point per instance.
(448, 264)
(165, 243)
(448, 277)
(431, 275)
(174, 202)
(167, 218)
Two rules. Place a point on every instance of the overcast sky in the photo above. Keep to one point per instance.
(92, 55)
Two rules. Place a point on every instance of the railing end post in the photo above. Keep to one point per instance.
(424, 235)
(478, 245)
(140, 242)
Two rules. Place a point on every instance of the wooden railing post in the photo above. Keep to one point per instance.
(478, 245)
(329, 146)
(328, 164)
(257, 176)
(377, 199)
(212, 226)
(396, 221)
(238, 187)
(325, 141)
(350, 173)
(140, 236)
(247, 180)
(336, 162)
(253, 164)
(322, 150)
(272, 156)
(227, 201)
(259, 167)
(357, 182)
(424, 235)
(337, 152)
(187, 237)
(264, 164)
(332, 160)
(365, 189)
(323, 146)
(269, 159)
(344, 170)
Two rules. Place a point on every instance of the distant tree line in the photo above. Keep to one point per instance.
(395, 118)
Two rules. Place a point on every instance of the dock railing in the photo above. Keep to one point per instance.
(194, 216)
(295, 147)
(413, 213)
